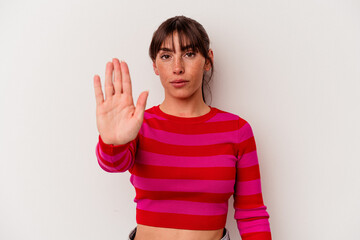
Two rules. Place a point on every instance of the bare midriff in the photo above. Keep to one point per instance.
(144, 232)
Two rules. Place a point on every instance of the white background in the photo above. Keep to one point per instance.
(290, 68)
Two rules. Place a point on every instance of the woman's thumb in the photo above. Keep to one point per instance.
(141, 103)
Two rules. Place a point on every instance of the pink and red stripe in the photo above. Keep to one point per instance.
(184, 170)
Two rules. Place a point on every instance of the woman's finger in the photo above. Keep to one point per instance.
(98, 92)
(141, 104)
(109, 88)
(126, 81)
(117, 76)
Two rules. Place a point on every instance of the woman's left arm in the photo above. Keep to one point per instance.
(250, 212)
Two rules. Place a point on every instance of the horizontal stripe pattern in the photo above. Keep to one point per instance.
(248, 187)
(266, 235)
(184, 170)
(257, 225)
(164, 172)
(202, 138)
(223, 116)
(120, 165)
(248, 173)
(248, 201)
(180, 221)
(253, 213)
(183, 185)
(248, 160)
(156, 159)
(183, 196)
(113, 150)
(194, 131)
(112, 158)
(183, 207)
(151, 145)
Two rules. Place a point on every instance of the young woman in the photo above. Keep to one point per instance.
(186, 158)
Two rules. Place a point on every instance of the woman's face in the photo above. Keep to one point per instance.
(184, 66)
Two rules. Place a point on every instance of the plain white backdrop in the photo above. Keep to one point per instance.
(290, 68)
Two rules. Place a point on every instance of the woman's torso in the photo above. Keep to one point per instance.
(144, 232)
(149, 179)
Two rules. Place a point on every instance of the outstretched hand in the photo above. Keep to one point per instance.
(118, 120)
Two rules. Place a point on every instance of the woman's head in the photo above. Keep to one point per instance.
(190, 34)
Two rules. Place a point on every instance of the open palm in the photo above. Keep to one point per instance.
(118, 120)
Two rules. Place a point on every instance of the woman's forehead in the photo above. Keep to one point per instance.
(169, 41)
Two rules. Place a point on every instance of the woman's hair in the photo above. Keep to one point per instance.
(189, 29)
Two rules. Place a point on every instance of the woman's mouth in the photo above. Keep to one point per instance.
(179, 83)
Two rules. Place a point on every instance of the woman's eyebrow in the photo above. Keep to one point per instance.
(187, 47)
(166, 49)
(183, 48)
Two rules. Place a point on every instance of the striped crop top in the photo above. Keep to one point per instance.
(184, 171)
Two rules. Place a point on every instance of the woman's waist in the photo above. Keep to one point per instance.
(145, 232)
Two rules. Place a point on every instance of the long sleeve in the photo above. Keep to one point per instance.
(116, 158)
(250, 212)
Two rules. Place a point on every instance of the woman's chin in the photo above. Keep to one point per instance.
(183, 93)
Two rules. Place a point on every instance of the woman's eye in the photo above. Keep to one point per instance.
(165, 56)
(190, 54)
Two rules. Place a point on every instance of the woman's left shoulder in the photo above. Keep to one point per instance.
(230, 115)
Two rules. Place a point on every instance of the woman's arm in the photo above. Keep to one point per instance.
(116, 158)
(250, 212)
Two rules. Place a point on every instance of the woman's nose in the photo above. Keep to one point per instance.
(178, 66)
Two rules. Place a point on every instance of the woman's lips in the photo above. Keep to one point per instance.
(179, 83)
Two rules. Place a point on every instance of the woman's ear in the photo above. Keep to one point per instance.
(155, 68)
(207, 66)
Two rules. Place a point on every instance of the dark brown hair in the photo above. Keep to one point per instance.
(193, 32)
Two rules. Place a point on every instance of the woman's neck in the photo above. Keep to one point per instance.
(184, 109)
